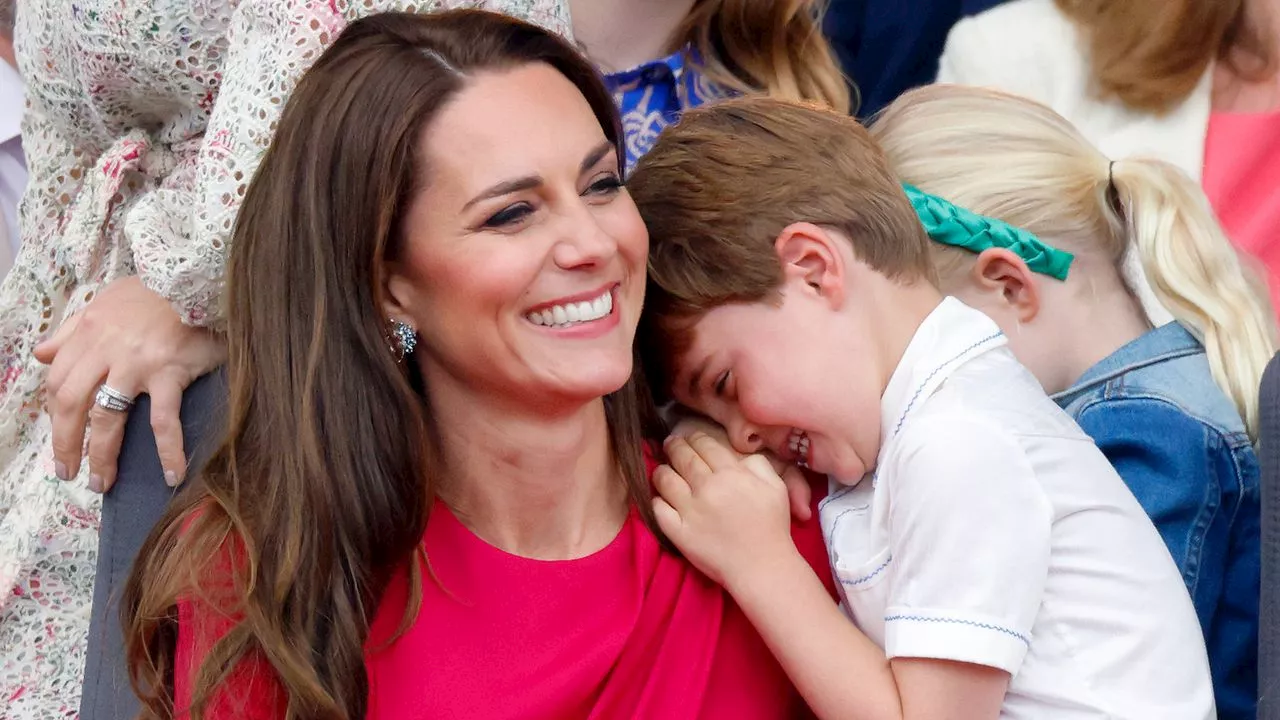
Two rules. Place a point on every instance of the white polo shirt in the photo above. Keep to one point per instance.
(995, 532)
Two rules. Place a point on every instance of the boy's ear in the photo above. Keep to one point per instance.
(812, 257)
(1002, 273)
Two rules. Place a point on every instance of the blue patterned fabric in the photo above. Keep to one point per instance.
(651, 97)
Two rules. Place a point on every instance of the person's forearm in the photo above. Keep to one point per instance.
(838, 670)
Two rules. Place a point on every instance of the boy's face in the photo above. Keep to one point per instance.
(799, 378)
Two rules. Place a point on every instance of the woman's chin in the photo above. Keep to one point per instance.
(587, 385)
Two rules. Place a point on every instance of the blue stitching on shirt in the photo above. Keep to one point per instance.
(828, 539)
(868, 577)
(937, 370)
(832, 498)
(970, 623)
(822, 504)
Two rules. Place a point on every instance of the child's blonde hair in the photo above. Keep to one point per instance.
(1016, 160)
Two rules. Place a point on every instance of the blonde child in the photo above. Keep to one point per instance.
(1175, 408)
(992, 561)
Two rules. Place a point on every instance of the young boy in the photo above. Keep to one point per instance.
(991, 559)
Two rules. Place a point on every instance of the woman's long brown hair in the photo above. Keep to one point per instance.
(322, 488)
(1151, 54)
(776, 47)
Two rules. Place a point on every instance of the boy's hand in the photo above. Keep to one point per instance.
(799, 491)
(728, 515)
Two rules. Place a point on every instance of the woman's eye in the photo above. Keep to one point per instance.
(605, 185)
(509, 216)
(721, 383)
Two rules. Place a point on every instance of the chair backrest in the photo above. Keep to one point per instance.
(1269, 607)
(129, 512)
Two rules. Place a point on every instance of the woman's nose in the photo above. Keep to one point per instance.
(583, 242)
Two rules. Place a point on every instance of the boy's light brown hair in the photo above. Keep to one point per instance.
(721, 185)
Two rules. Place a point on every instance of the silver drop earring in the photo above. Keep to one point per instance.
(406, 339)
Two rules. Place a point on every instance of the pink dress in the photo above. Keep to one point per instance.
(629, 632)
(1242, 180)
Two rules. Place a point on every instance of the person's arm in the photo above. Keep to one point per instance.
(956, 632)
(1203, 496)
(840, 672)
(1164, 456)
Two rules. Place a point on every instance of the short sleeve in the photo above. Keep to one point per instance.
(970, 531)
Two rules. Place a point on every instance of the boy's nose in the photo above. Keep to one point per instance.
(746, 438)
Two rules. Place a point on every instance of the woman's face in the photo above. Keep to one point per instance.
(523, 262)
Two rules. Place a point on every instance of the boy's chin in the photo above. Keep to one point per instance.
(849, 473)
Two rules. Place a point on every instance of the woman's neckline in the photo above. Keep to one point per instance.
(451, 524)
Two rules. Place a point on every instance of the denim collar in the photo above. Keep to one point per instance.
(1167, 342)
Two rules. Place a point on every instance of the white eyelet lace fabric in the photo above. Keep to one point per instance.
(145, 122)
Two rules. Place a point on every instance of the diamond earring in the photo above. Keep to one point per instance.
(406, 339)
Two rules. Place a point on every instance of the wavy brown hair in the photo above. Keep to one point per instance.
(776, 47)
(1150, 54)
(322, 488)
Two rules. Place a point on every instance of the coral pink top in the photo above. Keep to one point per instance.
(1242, 180)
(628, 632)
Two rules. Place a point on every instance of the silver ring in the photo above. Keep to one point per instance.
(109, 398)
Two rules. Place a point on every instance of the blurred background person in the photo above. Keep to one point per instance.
(887, 47)
(662, 56)
(1193, 82)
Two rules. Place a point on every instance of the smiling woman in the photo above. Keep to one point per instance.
(521, 225)
(505, 449)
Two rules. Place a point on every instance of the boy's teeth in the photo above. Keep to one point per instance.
(798, 444)
(572, 313)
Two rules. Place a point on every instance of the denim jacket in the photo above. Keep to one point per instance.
(1180, 445)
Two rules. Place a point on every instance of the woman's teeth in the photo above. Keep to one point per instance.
(560, 316)
(798, 444)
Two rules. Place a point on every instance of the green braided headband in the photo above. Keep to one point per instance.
(950, 224)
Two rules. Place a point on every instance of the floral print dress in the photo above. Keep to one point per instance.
(145, 121)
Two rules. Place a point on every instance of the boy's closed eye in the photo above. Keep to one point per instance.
(721, 384)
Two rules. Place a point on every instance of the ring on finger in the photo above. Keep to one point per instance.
(108, 398)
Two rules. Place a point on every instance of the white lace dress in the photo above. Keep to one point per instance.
(145, 122)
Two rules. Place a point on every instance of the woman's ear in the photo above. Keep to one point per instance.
(397, 294)
(813, 257)
(1004, 277)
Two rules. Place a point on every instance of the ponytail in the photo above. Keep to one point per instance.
(775, 47)
(1198, 276)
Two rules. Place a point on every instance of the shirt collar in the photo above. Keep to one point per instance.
(951, 335)
(1155, 346)
(673, 64)
(12, 102)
